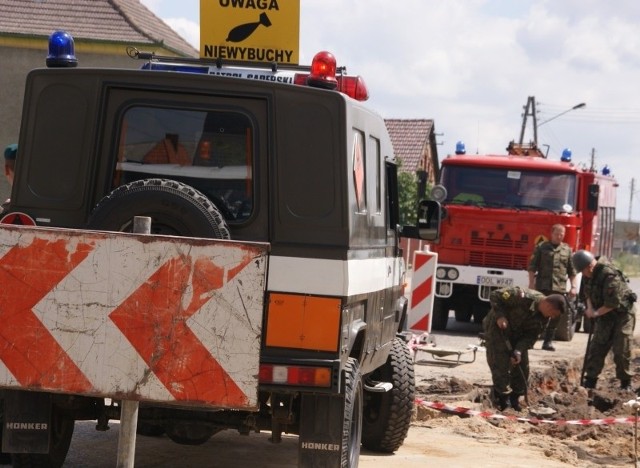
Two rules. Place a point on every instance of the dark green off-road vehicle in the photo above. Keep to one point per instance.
(253, 154)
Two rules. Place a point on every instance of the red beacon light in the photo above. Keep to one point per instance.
(323, 71)
(323, 75)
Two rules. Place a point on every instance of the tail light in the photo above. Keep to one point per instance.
(295, 375)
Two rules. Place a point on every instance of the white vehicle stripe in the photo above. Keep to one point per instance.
(333, 277)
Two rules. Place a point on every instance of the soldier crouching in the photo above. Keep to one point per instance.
(511, 328)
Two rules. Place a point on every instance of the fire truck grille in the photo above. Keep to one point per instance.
(498, 260)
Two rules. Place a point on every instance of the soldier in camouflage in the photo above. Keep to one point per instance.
(511, 328)
(610, 302)
(550, 268)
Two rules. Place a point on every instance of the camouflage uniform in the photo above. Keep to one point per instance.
(613, 330)
(519, 307)
(553, 267)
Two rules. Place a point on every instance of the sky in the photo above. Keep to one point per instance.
(471, 65)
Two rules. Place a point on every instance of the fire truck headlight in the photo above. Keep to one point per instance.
(452, 274)
(61, 50)
(441, 273)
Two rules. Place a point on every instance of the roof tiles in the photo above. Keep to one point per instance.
(409, 137)
(125, 21)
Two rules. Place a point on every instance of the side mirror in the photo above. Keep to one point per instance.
(428, 225)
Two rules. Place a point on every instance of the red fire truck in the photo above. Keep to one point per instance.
(497, 208)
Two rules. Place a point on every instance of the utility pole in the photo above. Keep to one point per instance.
(529, 110)
(593, 160)
(633, 183)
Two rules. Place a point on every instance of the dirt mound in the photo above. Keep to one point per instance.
(554, 394)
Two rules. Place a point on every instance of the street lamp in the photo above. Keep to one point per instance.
(577, 106)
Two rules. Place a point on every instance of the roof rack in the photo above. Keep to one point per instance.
(220, 63)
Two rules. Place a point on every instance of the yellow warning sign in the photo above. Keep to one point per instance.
(540, 238)
(253, 30)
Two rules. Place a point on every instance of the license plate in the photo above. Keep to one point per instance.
(494, 281)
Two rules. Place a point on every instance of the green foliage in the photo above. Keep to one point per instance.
(408, 198)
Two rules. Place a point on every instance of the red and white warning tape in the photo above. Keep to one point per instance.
(559, 422)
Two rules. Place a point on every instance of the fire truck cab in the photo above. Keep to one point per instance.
(497, 208)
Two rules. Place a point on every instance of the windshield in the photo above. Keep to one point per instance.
(522, 189)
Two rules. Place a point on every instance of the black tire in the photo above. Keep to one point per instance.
(61, 434)
(565, 329)
(463, 314)
(387, 416)
(480, 311)
(175, 209)
(190, 433)
(440, 314)
(149, 429)
(352, 420)
(566, 325)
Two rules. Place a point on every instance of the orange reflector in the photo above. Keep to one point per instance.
(303, 322)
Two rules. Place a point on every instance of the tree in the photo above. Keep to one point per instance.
(408, 198)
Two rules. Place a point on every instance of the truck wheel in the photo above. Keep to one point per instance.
(190, 433)
(387, 416)
(149, 429)
(566, 326)
(175, 208)
(61, 434)
(440, 314)
(352, 418)
(463, 314)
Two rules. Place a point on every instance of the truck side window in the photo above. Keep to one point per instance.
(210, 150)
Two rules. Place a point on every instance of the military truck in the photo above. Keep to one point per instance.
(287, 158)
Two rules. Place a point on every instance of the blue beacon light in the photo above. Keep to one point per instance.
(606, 170)
(460, 148)
(61, 50)
(566, 155)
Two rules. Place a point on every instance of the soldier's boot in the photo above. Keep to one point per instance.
(547, 343)
(503, 401)
(514, 399)
(590, 382)
(625, 385)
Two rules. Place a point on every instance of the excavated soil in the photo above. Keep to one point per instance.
(553, 394)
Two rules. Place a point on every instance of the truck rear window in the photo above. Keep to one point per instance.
(211, 150)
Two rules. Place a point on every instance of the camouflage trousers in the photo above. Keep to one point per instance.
(611, 332)
(506, 377)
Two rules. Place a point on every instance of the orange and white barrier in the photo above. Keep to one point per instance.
(422, 291)
(131, 317)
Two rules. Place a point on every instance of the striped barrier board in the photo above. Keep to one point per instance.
(126, 316)
(422, 291)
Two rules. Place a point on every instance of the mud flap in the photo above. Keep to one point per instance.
(320, 439)
(27, 417)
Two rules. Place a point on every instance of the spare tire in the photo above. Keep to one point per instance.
(175, 209)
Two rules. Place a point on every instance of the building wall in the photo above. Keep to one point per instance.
(17, 61)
